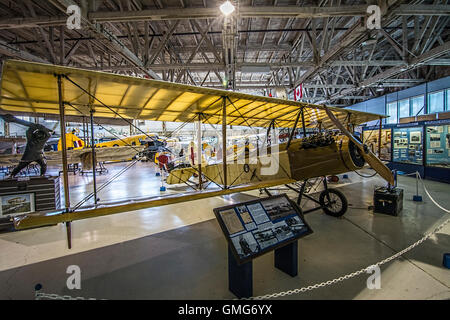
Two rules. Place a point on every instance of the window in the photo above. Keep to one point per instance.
(436, 102)
(392, 112)
(448, 100)
(25, 118)
(403, 108)
(417, 106)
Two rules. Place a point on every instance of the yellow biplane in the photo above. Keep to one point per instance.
(47, 89)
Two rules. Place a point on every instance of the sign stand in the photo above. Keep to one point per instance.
(240, 276)
(286, 259)
(256, 227)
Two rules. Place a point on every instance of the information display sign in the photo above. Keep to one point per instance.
(256, 227)
(438, 146)
(408, 145)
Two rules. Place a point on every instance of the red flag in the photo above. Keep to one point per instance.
(298, 93)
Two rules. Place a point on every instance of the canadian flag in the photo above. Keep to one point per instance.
(298, 93)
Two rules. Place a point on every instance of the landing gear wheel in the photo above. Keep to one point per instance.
(336, 206)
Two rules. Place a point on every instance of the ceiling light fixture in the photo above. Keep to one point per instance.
(380, 87)
(227, 8)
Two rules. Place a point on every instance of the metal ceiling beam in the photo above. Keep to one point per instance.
(113, 41)
(265, 12)
(423, 10)
(209, 13)
(244, 12)
(15, 52)
(345, 41)
(267, 67)
(261, 85)
(415, 62)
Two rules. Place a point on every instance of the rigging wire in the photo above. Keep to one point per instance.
(112, 133)
(112, 110)
(88, 197)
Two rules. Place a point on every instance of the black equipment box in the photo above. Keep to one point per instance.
(388, 201)
(23, 195)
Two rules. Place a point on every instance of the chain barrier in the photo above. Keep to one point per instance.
(364, 270)
(54, 296)
(46, 296)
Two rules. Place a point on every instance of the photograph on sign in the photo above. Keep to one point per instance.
(17, 204)
(266, 237)
(415, 137)
(278, 208)
(245, 244)
(231, 221)
(296, 225)
(282, 231)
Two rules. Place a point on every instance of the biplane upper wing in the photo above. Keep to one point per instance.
(32, 88)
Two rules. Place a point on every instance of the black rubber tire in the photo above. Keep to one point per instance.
(342, 199)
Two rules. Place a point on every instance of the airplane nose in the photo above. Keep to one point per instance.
(356, 156)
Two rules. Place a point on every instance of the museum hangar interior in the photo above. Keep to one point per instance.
(213, 150)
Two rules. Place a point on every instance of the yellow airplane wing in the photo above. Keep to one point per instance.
(32, 88)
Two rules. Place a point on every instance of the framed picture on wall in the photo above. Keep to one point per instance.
(415, 137)
(17, 204)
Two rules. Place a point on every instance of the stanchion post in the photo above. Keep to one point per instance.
(417, 197)
(161, 172)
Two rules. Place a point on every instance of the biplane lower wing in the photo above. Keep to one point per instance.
(44, 219)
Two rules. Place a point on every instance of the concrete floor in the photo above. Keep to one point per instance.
(179, 252)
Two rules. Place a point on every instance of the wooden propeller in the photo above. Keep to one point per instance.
(368, 156)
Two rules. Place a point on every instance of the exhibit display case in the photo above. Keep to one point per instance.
(422, 146)
(407, 145)
(371, 138)
(438, 146)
